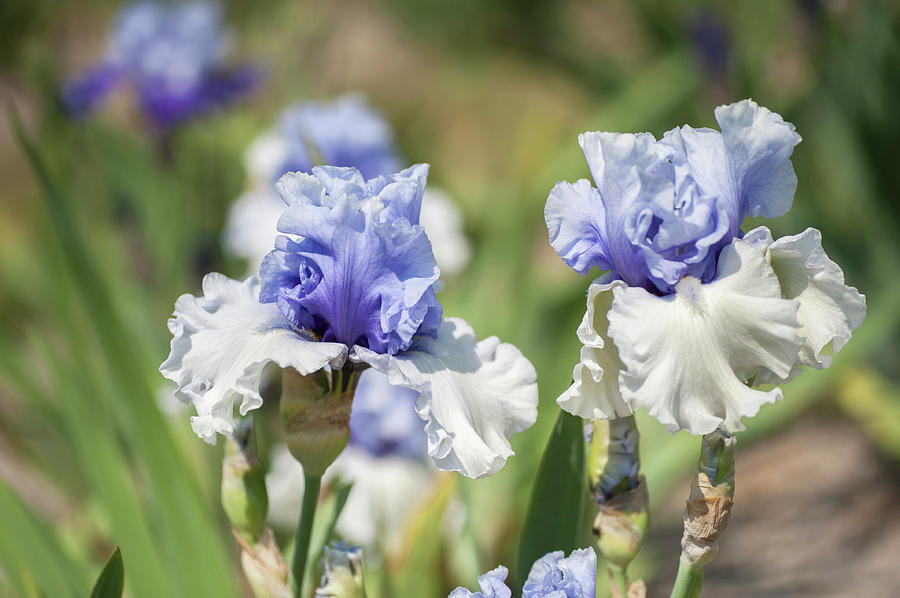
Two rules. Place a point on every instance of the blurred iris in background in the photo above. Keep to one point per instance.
(173, 56)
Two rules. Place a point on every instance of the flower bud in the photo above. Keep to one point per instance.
(244, 495)
(708, 509)
(315, 413)
(621, 525)
(620, 492)
(265, 567)
(342, 572)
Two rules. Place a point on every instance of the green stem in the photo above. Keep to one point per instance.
(688, 582)
(620, 579)
(304, 530)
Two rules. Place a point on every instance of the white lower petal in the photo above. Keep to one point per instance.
(594, 393)
(474, 395)
(221, 343)
(829, 309)
(688, 355)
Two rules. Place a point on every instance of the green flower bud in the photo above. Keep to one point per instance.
(315, 413)
(342, 572)
(622, 524)
(618, 489)
(244, 495)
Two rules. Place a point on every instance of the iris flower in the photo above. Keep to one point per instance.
(553, 575)
(345, 131)
(693, 313)
(173, 56)
(352, 281)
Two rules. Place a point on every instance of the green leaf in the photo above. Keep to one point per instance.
(190, 539)
(31, 554)
(112, 579)
(554, 514)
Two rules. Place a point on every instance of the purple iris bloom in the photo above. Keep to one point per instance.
(663, 210)
(354, 266)
(343, 132)
(384, 421)
(172, 55)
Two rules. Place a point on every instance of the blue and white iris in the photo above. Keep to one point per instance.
(553, 575)
(173, 56)
(691, 308)
(352, 278)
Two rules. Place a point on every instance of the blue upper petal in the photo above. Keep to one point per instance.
(343, 132)
(357, 267)
(664, 209)
(384, 421)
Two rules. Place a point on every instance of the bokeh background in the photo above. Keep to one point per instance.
(492, 95)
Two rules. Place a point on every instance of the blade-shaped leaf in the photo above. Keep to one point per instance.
(554, 514)
(112, 579)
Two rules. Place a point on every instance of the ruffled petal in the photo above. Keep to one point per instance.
(221, 342)
(594, 393)
(688, 355)
(492, 585)
(829, 309)
(617, 161)
(576, 221)
(358, 268)
(555, 575)
(473, 395)
(759, 144)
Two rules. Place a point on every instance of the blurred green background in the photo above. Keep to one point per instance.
(492, 95)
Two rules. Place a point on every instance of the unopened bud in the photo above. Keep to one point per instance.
(618, 490)
(622, 524)
(265, 567)
(315, 412)
(708, 509)
(342, 572)
(244, 495)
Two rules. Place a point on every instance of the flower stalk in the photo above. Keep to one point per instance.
(315, 413)
(707, 512)
(620, 494)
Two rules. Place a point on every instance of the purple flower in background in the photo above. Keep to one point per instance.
(384, 420)
(172, 56)
(553, 575)
(363, 272)
(342, 132)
